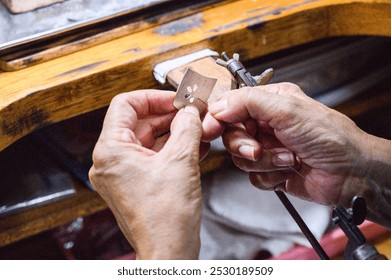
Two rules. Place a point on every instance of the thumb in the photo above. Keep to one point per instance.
(185, 135)
(255, 103)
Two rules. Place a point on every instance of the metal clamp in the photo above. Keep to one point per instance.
(348, 220)
(241, 75)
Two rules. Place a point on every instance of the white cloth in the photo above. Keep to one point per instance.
(161, 70)
(239, 220)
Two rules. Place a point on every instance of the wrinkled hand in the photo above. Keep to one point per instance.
(279, 123)
(149, 178)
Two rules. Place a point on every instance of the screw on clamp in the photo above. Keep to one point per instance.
(241, 75)
(348, 220)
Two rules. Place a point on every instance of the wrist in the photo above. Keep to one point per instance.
(168, 252)
(372, 177)
(172, 247)
(376, 155)
(172, 238)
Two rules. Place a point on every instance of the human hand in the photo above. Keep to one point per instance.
(278, 123)
(150, 179)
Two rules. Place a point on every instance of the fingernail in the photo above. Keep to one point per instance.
(283, 159)
(218, 106)
(247, 152)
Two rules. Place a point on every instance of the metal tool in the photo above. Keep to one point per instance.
(241, 75)
(244, 78)
(348, 220)
(194, 89)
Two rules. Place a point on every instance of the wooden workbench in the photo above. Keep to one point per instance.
(79, 82)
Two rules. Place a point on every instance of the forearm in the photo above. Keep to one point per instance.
(374, 183)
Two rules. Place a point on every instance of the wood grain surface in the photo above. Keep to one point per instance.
(72, 39)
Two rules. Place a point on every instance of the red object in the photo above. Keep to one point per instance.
(333, 243)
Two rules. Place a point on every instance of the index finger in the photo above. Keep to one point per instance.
(138, 104)
(254, 103)
(278, 109)
(127, 108)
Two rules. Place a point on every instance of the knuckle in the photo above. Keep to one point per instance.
(289, 86)
(92, 175)
(119, 98)
(251, 93)
(188, 126)
(101, 156)
(263, 181)
(256, 180)
(244, 164)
